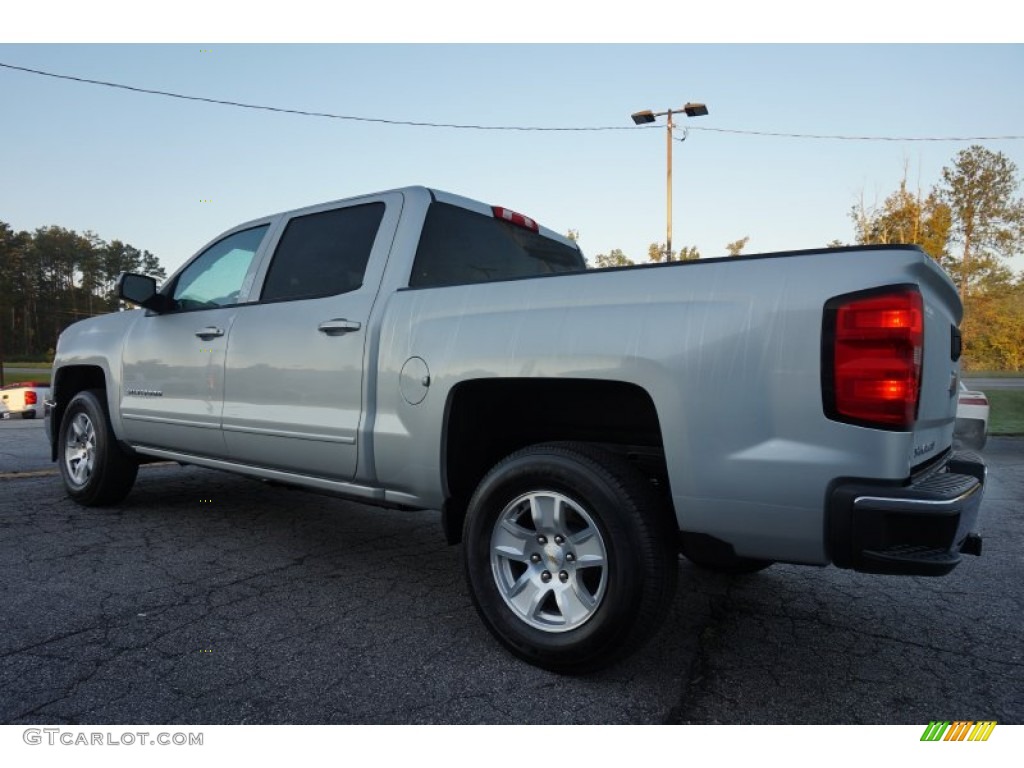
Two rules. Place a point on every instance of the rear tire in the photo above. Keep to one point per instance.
(569, 556)
(96, 470)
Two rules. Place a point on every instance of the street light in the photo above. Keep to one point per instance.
(647, 116)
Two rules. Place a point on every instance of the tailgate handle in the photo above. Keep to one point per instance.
(209, 332)
(338, 326)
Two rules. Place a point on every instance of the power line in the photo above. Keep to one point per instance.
(466, 126)
(851, 138)
(357, 118)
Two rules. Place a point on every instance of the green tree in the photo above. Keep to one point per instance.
(936, 225)
(15, 330)
(55, 276)
(615, 258)
(117, 257)
(656, 252)
(60, 258)
(905, 218)
(986, 216)
(969, 224)
(736, 246)
(993, 330)
(151, 266)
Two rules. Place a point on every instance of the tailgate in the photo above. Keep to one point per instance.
(14, 399)
(940, 370)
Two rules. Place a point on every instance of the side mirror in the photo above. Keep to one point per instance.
(141, 290)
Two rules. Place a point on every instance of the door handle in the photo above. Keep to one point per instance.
(338, 325)
(209, 332)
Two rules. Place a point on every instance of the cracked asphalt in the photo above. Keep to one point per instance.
(207, 598)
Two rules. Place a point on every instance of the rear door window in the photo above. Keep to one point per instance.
(323, 254)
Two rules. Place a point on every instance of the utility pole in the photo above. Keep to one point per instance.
(647, 116)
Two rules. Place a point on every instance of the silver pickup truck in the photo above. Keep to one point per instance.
(578, 429)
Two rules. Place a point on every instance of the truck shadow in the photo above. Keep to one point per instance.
(799, 645)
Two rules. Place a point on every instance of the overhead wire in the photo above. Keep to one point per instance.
(476, 127)
(838, 137)
(307, 113)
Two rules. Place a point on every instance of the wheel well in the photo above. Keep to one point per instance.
(489, 419)
(68, 382)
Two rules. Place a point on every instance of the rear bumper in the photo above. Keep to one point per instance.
(27, 413)
(920, 529)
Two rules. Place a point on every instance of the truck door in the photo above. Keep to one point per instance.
(173, 376)
(294, 382)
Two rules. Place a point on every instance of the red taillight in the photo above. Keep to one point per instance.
(30, 398)
(872, 372)
(515, 218)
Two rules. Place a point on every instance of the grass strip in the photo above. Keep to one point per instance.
(1006, 411)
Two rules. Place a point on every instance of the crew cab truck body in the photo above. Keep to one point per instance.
(577, 428)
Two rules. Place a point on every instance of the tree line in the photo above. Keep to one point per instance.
(971, 222)
(52, 277)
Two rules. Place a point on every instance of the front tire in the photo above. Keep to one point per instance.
(569, 556)
(96, 470)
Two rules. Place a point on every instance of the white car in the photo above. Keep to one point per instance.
(27, 399)
(971, 418)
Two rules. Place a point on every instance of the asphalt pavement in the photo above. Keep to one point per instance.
(209, 598)
(23, 446)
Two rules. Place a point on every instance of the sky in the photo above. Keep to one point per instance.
(168, 175)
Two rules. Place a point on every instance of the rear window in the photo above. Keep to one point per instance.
(458, 246)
